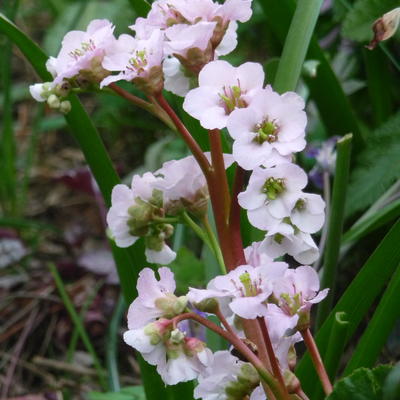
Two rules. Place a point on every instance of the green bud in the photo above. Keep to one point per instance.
(53, 101)
(210, 306)
(65, 107)
(291, 381)
(177, 336)
(247, 380)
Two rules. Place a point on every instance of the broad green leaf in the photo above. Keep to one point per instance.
(358, 22)
(377, 166)
(391, 388)
(362, 384)
(357, 299)
(188, 270)
(379, 327)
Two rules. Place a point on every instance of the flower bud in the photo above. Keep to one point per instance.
(53, 101)
(65, 107)
(385, 27)
(177, 336)
(291, 381)
(210, 306)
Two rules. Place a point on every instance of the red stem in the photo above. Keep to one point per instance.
(234, 218)
(187, 137)
(317, 361)
(271, 354)
(130, 97)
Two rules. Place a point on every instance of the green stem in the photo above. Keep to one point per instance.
(112, 345)
(214, 244)
(296, 45)
(78, 323)
(166, 220)
(336, 218)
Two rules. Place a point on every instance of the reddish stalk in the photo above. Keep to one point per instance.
(187, 137)
(130, 97)
(271, 354)
(234, 217)
(317, 361)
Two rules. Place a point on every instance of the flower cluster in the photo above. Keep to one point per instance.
(176, 47)
(176, 40)
(143, 210)
(280, 296)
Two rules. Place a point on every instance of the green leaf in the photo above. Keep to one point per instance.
(188, 270)
(379, 327)
(359, 20)
(362, 384)
(357, 299)
(126, 393)
(377, 166)
(335, 110)
(141, 7)
(391, 388)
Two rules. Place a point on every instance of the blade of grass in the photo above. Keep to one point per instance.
(85, 307)
(78, 324)
(375, 221)
(112, 345)
(296, 45)
(278, 16)
(8, 183)
(378, 329)
(336, 219)
(357, 299)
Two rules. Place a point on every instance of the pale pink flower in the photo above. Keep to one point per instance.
(222, 89)
(131, 213)
(135, 59)
(271, 194)
(298, 290)
(178, 358)
(83, 51)
(155, 299)
(224, 369)
(255, 255)
(246, 288)
(258, 393)
(270, 129)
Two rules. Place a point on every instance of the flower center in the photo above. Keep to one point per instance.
(85, 47)
(273, 187)
(139, 62)
(231, 98)
(250, 289)
(267, 131)
(300, 204)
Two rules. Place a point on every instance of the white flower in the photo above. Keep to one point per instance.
(246, 287)
(175, 78)
(222, 89)
(271, 194)
(83, 50)
(270, 129)
(308, 213)
(155, 299)
(224, 369)
(178, 359)
(136, 59)
(133, 214)
(284, 239)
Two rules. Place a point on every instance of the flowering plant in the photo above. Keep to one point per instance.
(263, 298)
